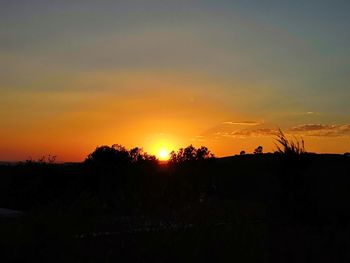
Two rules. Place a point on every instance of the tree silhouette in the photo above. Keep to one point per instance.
(258, 150)
(118, 154)
(137, 155)
(109, 155)
(190, 153)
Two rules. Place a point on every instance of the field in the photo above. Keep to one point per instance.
(250, 208)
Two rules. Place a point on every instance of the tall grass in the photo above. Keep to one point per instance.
(289, 147)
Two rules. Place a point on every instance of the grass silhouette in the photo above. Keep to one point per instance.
(289, 147)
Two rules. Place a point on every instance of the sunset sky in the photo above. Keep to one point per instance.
(165, 74)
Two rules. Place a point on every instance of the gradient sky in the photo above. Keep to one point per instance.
(225, 74)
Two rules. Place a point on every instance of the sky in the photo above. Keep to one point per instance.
(166, 74)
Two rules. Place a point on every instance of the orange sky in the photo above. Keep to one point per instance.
(165, 74)
(152, 110)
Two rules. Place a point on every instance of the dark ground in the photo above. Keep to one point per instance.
(253, 208)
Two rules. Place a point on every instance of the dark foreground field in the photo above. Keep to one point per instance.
(253, 208)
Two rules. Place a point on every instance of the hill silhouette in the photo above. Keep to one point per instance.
(122, 204)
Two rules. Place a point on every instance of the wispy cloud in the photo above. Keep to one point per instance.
(311, 127)
(248, 123)
(322, 130)
(309, 113)
(305, 113)
(251, 129)
(244, 133)
(314, 130)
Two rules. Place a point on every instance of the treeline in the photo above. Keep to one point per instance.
(123, 203)
(112, 179)
(120, 181)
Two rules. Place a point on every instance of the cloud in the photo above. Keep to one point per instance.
(305, 113)
(309, 113)
(321, 130)
(263, 132)
(311, 127)
(233, 130)
(244, 133)
(248, 123)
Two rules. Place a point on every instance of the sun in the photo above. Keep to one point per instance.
(163, 154)
(161, 146)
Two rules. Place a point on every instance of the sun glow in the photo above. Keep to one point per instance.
(163, 154)
(161, 145)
